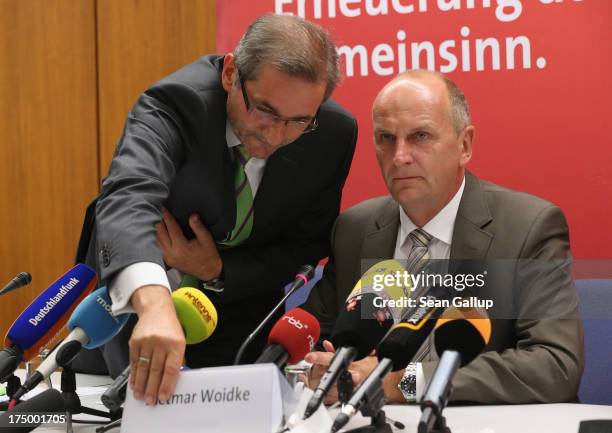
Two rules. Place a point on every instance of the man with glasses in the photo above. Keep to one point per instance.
(229, 172)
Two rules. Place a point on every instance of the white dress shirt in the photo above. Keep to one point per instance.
(137, 275)
(441, 228)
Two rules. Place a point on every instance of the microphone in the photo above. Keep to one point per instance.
(291, 338)
(385, 278)
(48, 401)
(44, 317)
(198, 317)
(91, 325)
(464, 330)
(196, 314)
(22, 279)
(395, 351)
(305, 274)
(358, 328)
(460, 336)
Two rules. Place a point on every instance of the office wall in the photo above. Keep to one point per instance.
(140, 42)
(69, 72)
(48, 144)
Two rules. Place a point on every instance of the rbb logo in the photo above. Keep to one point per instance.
(295, 322)
(311, 342)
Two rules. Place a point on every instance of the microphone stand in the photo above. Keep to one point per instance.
(113, 398)
(436, 396)
(373, 401)
(72, 401)
(304, 275)
(109, 426)
(13, 383)
(431, 422)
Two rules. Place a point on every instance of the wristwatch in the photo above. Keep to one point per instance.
(214, 285)
(407, 385)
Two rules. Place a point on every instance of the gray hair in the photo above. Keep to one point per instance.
(459, 109)
(291, 45)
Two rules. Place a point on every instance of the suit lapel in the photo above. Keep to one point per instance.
(380, 244)
(277, 184)
(470, 241)
(220, 153)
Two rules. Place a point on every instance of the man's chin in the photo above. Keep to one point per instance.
(258, 152)
(257, 149)
(408, 195)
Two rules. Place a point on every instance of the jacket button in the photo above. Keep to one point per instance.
(105, 256)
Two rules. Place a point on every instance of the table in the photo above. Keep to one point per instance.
(536, 418)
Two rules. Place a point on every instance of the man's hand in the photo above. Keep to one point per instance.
(198, 257)
(359, 371)
(320, 363)
(157, 345)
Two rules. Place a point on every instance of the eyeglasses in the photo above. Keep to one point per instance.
(294, 127)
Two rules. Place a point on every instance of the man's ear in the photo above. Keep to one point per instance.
(466, 140)
(228, 75)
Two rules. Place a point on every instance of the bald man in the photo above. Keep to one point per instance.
(423, 138)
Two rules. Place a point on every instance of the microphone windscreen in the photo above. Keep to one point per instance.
(297, 332)
(50, 311)
(404, 340)
(24, 278)
(306, 272)
(48, 401)
(464, 330)
(196, 313)
(361, 324)
(384, 278)
(94, 316)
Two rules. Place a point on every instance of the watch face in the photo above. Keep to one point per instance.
(407, 385)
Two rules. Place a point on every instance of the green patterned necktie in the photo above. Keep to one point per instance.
(244, 201)
(244, 210)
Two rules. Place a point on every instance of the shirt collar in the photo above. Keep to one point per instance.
(440, 226)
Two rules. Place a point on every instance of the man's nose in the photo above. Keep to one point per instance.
(275, 134)
(403, 153)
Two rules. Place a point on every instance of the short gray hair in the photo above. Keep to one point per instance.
(291, 45)
(459, 109)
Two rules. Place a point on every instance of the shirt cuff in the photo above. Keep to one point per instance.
(131, 278)
(420, 381)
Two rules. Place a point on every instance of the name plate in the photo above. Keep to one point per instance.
(218, 399)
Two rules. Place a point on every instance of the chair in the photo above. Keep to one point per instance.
(596, 311)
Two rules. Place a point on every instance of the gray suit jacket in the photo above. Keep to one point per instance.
(173, 152)
(535, 353)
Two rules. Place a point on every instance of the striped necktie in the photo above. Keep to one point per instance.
(419, 253)
(244, 211)
(416, 261)
(244, 201)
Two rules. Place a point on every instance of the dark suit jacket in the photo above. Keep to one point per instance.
(173, 152)
(536, 349)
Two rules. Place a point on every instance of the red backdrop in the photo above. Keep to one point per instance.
(541, 124)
